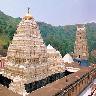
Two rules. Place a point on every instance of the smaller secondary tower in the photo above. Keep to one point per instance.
(81, 48)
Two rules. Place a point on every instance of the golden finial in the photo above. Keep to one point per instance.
(28, 16)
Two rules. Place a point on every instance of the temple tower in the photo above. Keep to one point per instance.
(81, 48)
(28, 63)
(27, 55)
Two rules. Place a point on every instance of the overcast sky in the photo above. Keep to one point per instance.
(55, 12)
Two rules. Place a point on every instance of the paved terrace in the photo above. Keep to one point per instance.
(5, 92)
(57, 86)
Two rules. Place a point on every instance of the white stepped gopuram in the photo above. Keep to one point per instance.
(27, 56)
(52, 52)
(55, 59)
(27, 51)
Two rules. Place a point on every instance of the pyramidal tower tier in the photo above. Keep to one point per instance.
(81, 48)
(27, 55)
(27, 45)
(27, 64)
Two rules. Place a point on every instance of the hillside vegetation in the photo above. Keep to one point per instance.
(60, 37)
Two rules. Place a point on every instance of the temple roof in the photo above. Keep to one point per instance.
(50, 47)
(67, 58)
(57, 52)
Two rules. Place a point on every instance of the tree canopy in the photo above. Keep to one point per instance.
(60, 37)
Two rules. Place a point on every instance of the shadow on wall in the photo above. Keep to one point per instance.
(5, 81)
(38, 84)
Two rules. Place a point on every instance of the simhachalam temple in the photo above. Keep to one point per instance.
(34, 69)
(29, 60)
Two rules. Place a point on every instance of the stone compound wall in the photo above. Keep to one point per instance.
(78, 86)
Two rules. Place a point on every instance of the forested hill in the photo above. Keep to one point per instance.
(60, 37)
(7, 28)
